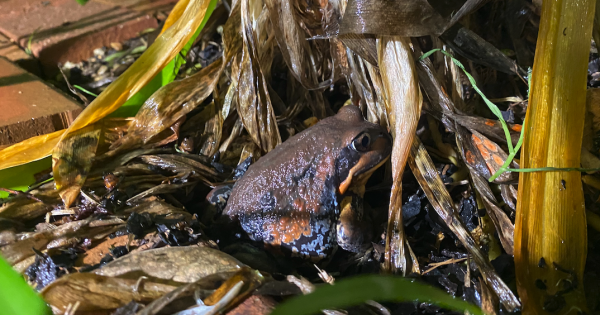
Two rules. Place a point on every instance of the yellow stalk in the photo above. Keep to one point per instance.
(550, 221)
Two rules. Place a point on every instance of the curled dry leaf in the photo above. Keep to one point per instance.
(72, 159)
(403, 18)
(213, 131)
(23, 209)
(471, 46)
(505, 228)
(179, 163)
(250, 279)
(403, 104)
(295, 49)
(254, 104)
(95, 292)
(159, 207)
(184, 264)
(169, 104)
(365, 79)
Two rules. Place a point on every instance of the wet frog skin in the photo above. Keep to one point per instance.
(291, 198)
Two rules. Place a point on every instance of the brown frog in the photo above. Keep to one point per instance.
(292, 197)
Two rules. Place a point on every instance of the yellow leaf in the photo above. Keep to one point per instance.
(550, 222)
(29, 150)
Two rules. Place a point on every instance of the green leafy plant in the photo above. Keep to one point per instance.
(357, 290)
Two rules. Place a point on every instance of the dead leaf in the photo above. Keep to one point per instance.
(96, 292)
(254, 104)
(72, 160)
(168, 104)
(184, 264)
(403, 101)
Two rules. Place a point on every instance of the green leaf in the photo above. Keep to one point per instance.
(82, 2)
(357, 290)
(16, 297)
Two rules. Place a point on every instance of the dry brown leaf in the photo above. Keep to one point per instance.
(407, 18)
(250, 279)
(72, 159)
(95, 292)
(295, 49)
(254, 104)
(502, 223)
(364, 45)
(471, 46)
(403, 101)
(213, 130)
(489, 301)
(169, 104)
(23, 209)
(232, 34)
(183, 264)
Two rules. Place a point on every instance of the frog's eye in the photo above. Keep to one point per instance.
(362, 142)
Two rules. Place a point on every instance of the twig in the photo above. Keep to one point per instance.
(17, 193)
(443, 263)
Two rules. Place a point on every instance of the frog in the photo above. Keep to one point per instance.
(296, 199)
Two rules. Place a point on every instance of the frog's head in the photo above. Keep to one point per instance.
(366, 146)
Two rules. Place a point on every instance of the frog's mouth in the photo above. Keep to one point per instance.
(368, 163)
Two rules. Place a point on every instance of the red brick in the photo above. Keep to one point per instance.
(14, 53)
(65, 31)
(255, 305)
(29, 107)
(11, 51)
(147, 6)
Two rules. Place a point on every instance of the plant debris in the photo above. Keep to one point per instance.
(130, 218)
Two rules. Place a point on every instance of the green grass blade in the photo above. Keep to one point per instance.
(357, 290)
(16, 296)
(84, 90)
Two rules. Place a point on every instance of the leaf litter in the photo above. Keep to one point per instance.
(259, 73)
